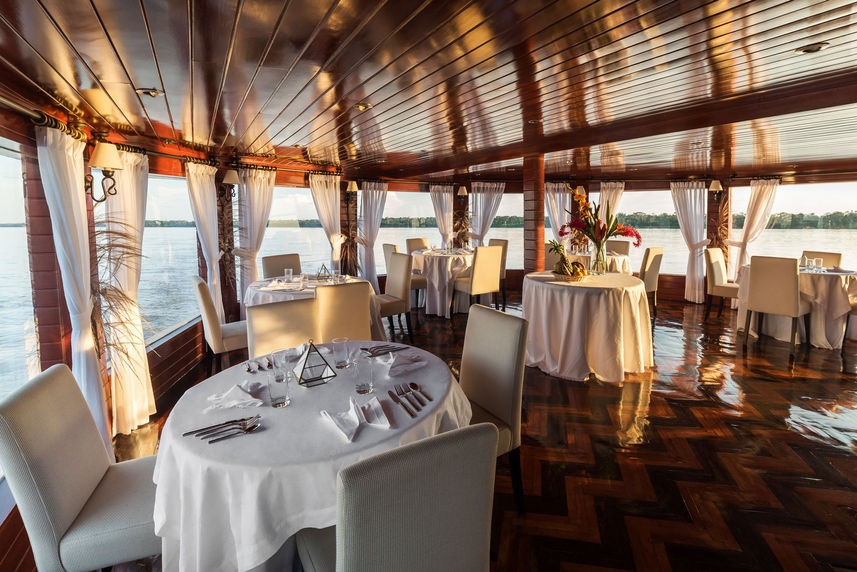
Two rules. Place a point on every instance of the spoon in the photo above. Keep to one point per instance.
(416, 387)
(241, 431)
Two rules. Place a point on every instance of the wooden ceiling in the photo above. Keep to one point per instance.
(610, 89)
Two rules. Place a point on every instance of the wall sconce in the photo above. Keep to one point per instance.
(105, 157)
(461, 194)
(351, 192)
(716, 188)
(231, 179)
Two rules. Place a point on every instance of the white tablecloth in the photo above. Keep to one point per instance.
(232, 505)
(260, 292)
(615, 262)
(599, 325)
(440, 270)
(828, 294)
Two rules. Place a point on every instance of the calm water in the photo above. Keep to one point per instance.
(166, 298)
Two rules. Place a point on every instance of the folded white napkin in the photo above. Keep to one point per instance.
(348, 421)
(241, 395)
(374, 414)
(278, 284)
(404, 363)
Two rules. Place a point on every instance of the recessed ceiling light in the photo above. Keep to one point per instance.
(363, 106)
(150, 91)
(812, 48)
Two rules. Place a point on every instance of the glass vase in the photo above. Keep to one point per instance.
(599, 259)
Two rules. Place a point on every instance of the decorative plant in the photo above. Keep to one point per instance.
(461, 228)
(348, 261)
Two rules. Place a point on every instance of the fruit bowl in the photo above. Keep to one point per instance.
(569, 278)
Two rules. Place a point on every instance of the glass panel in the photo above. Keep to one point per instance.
(509, 225)
(653, 214)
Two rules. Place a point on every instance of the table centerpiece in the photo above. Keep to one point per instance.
(564, 269)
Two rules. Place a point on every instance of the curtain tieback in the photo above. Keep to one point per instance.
(245, 253)
(336, 240)
(475, 236)
(736, 243)
(700, 244)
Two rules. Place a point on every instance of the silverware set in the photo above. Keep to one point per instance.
(226, 429)
(411, 397)
(383, 349)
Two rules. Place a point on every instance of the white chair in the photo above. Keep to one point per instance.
(828, 259)
(484, 276)
(551, 258)
(775, 289)
(422, 507)
(388, 250)
(505, 245)
(395, 299)
(221, 338)
(492, 377)
(413, 244)
(650, 270)
(618, 247)
(81, 511)
(280, 325)
(343, 311)
(274, 266)
(716, 281)
(418, 281)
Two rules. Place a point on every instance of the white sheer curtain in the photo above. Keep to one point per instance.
(133, 399)
(762, 195)
(484, 201)
(373, 196)
(203, 205)
(611, 192)
(61, 167)
(441, 200)
(255, 194)
(689, 201)
(325, 195)
(559, 205)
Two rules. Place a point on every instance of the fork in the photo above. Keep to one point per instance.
(400, 391)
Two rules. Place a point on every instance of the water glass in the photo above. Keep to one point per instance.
(340, 352)
(287, 275)
(365, 382)
(278, 386)
(818, 264)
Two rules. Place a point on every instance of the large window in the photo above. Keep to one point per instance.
(19, 356)
(509, 225)
(293, 226)
(653, 214)
(406, 215)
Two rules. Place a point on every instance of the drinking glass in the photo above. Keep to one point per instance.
(365, 382)
(278, 386)
(287, 275)
(818, 264)
(340, 352)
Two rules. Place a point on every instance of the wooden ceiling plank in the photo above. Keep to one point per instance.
(227, 59)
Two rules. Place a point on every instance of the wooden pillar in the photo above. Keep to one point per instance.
(720, 220)
(226, 238)
(534, 213)
(348, 227)
(460, 210)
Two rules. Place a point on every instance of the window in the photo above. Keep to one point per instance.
(406, 215)
(19, 355)
(293, 226)
(509, 225)
(653, 214)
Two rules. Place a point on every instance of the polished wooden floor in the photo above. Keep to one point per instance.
(717, 459)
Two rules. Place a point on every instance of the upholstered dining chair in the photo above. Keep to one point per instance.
(413, 244)
(395, 300)
(618, 247)
(388, 250)
(551, 258)
(828, 259)
(716, 281)
(422, 507)
(280, 325)
(492, 377)
(775, 289)
(221, 338)
(81, 511)
(650, 271)
(484, 276)
(343, 311)
(418, 281)
(505, 245)
(275, 265)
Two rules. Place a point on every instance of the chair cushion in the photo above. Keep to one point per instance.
(116, 523)
(418, 282)
(317, 549)
(390, 305)
(235, 335)
(725, 290)
(504, 440)
(462, 284)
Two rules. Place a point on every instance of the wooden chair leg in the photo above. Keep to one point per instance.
(794, 335)
(747, 326)
(807, 326)
(655, 303)
(503, 285)
(496, 296)
(410, 327)
(392, 327)
(720, 310)
(707, 307)
(760, 323)
(452, 305)
(517, 481)
(399, 317)
(844, 334)
(209, 356)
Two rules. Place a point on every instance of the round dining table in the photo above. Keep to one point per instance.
(276, 290)
(615, 262)
(599, 325)
(441, 268)
(233, 505)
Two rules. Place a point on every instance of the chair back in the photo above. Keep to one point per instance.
(828, 259)
(388, 250)
(551, 258)
(210, 322)
(650, 269)
(618, 247)
(388, 512)
(505, 244)
(274, 266)
(343, 311)
(774, 286)
(492, 364)
(399, 276)
(485, 274)
(280, 325)
(53, 457)
(715, 269)
(413, 244)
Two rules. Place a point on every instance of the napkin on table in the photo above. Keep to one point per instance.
(241, 395)
(403, 363)
(348, 421)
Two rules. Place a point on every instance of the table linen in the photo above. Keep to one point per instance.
(232, 505)
(600, 325)
(441, 268)
(615, 262)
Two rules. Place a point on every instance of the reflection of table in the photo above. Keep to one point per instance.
(599, 325)
(232, 505)
(615, 262)
(827, 293)
(267, 291)
(440, 270)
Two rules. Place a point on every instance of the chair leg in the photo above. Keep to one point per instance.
(655, 303)
(720, 310)
(707, 307)
(410, 327)
(760, 321)
(517, 481)
(794, 335)
(209, 356)
(496, 296)
(844, 335)
(390, 321)
(747, 327)
(807, 326)
(399, 317)
(452, 305)
(503, 285)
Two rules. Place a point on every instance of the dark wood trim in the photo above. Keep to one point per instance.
(15, 551)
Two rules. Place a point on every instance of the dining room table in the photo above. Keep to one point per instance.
(441, 267)
(615, 262)
(597, 326)
(278, 289)
(236, 504)
(829, 292)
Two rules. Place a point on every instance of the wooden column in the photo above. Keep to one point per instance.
(226, 238)
(720, 221)
(460, 209)
(348, 227)
(534, 213)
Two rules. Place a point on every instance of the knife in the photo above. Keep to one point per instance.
(396, 399)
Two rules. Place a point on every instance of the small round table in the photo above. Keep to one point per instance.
(441, 268)
(599, 325)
